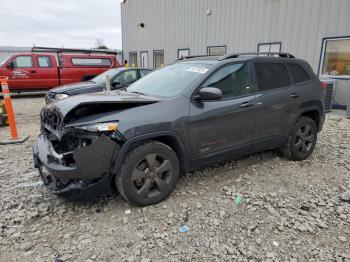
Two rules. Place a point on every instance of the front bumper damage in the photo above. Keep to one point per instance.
(83, 173)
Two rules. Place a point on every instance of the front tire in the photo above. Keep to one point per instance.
(302, 140)
(148, 174)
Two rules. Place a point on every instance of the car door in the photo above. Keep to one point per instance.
(46, 74)
(277, 101)
(124, 79)
(224, 127)
(21, 75)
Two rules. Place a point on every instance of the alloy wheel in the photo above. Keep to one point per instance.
(304, 139)
(151, 176)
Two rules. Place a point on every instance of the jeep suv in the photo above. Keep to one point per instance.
(195, 112)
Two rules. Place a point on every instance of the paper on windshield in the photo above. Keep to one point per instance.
(196, 69)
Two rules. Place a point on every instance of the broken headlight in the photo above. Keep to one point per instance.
(100, 127)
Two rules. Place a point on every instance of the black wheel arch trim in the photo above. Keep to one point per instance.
(306, 109)
(184, 156)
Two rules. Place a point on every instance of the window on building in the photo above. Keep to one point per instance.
(216, 50)
(269, 47)
(133, 59)
(44, 61)
(126, 77)
(23, 61)
(271, 75)
(91, 61)
(144, 59)
(183, 52)
(158, 59)
(298, 73)
(336, 57)
(232, 80)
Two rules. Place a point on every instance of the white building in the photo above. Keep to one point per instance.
(157, 32)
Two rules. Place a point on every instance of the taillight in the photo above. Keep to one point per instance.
(324, 85)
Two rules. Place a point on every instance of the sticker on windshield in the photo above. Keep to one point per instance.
(195, 69)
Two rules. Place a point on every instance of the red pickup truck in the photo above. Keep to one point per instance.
(38, 71)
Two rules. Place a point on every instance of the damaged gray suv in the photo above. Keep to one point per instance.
(195, 112)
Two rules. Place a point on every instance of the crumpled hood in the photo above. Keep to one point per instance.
(113, 100)
(76, 87)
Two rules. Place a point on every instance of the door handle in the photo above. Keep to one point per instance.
(246, 104)
(33, 71)
(294, 95)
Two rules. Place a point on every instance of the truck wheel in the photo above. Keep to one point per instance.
(148, 174)
(302, 140)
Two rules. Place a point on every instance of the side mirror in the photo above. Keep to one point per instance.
(10, 65)
(117, 84)
(209, 94)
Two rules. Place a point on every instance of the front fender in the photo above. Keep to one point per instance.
(184, 155)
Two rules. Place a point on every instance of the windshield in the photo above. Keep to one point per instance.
(101, 79)
(3, 61)
(169, 81)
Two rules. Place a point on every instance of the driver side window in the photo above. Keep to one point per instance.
(232, 80)
(126, 77)
(23, 62)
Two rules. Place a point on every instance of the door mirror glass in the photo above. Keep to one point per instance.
(10, 65)
(208, 94)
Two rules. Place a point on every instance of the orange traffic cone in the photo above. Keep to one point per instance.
(11, 117)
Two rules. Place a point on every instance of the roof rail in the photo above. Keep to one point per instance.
(74, 50)
(235, 55)
(191, 56)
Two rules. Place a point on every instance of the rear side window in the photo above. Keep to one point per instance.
(298, 73)
(144, 72)
(126, 77)
(271, 75)
(23, 61)
(91, 61)
(44, 61)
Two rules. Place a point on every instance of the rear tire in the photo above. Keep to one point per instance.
(302, 140)
(148, 174)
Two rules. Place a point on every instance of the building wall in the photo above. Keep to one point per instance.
(7, 51)
(239, 24)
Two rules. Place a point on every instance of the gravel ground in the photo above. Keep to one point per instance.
(259, 208)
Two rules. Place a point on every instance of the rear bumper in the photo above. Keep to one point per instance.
(75, 182)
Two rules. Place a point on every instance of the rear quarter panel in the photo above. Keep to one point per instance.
(312, 96)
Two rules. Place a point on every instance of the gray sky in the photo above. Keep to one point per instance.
(71, 23)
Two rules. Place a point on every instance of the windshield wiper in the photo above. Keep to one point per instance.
(139, 93)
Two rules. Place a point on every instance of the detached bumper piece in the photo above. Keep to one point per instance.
(88, 177)
(77, 190)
